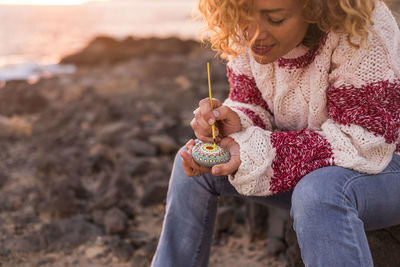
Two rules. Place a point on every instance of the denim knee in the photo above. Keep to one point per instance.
(317, 191)
(185, 188)
(179, 182)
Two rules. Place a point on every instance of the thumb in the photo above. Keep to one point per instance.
(216, 103)
(227, 168)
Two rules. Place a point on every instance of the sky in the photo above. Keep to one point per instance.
(44, 2)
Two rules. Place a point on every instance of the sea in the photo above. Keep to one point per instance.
(35, 38)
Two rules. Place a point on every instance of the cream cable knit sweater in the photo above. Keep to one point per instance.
(336, 105)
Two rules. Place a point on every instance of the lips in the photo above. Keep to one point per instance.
(261, 49)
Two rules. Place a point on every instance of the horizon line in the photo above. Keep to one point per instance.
(52, 3)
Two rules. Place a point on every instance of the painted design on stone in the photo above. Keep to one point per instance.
(206, 155)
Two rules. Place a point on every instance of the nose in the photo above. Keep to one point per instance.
(260, 34)
(263, 29)
(257, 31)
(263, 33)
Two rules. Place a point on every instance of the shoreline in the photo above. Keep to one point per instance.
(33, 71)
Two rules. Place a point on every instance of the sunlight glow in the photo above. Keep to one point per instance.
(45, 2)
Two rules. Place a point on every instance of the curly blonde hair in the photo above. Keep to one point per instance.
(226, 21)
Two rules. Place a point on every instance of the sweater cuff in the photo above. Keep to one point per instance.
(245, 121)
(254, 174)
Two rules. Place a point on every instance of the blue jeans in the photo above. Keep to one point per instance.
(331, 208)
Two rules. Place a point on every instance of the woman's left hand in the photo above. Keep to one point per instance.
(193, 169)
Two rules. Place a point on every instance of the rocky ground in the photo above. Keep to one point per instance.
(85, 162)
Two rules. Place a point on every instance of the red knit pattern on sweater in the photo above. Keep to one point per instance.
(244, 89)
(397, 148)
(257, 121)
(303, 61)
(297, 154)
(374, 106)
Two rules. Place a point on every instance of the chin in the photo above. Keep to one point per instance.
(264, 59)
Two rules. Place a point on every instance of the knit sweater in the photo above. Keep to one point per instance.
(334, 105)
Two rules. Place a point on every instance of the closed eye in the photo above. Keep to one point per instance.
(276, 22)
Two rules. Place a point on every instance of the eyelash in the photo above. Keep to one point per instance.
(274, 22)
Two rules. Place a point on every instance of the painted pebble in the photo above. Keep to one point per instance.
(206, 155)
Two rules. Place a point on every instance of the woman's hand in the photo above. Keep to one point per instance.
(191, 168)
(226, 121)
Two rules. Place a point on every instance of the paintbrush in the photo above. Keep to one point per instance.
(210, 95)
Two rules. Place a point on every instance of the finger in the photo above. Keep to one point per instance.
(227, 168)
(229, 144)
(205, 109)
(233, 164)
(203, 134)
(201, 127)
(191, 166)
(185, 158)
(189, 171)
(189, 145)
(203, 138)
(201, 169)
(196, 110)
(205, 106)
(202, 122)
(206, 134)
(223, 113)
(198, 130)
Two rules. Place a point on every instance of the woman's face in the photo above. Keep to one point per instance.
(281, 28)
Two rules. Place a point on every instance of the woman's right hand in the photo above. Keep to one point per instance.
(226, 120)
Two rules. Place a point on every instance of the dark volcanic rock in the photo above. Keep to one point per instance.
(17, 99)
(165, 144)
(139, 239)
(112, 192)
(45, 261)
(115, 221)
(68, 233)
(155, 176)
(55, 236)
(29, 244)
(154, 193)
(224, 219)
(385, 245)
(123, 250)
(292, 254)
(257, 218)
(108, 50)
(140, 260)
(3, 178)
(102, 158)
(277, 219)
(67, 197)
(142, 148)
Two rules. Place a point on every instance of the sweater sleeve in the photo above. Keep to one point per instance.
(244, 97)
(361, 132)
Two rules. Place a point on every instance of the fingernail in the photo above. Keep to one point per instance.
(216, 113)
(211, 121)
(216, 171)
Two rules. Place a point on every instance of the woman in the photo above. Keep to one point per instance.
(312, 123)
